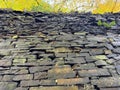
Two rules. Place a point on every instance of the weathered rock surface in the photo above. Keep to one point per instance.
(44, 53)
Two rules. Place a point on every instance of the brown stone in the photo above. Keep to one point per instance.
(47, 82)
(61, 72)
(72, 81)
(62, 50)
(55, 88)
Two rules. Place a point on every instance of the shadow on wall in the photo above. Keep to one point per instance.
(65, 6)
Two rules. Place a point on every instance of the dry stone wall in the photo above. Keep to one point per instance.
(28, 23)
(43, 57)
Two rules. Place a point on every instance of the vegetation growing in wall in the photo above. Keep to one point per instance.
(105, 24)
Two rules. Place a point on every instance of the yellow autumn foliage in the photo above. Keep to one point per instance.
(65, 6)
(108, 6)
(19, 5)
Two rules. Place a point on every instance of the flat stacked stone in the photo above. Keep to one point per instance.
(55, 58)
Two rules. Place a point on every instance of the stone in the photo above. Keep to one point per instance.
(113, 72)
(40, 75)
(30, 57)
(39, 69)
(47, 82)
(55, 88)
(65, 37)
(118, 69)
(116, 50)
(84, 50)
(23, 77)
(61, 44)
(110, 88)
(62, 50)
(75, 60)
(117, 44)
(81, 33)
(109, 46)
(94, 45)
(73, 44)
(61, 72)
(22, 71)
(5, 63)
(107, 52)
(45, 62)
(97, 38)
(61, 54)
(41, 47)
(100, 57)
(93, 72)
(96, 52)
(84, 54)
(107, 82)
(15, 37)
(72, 81)
(87, 87)
(112, 55)
(89, 59)
(4, 52)
(8, 78)
(1, 78)
(19, 61)
(117, 58)
(101, 63)
(59, 63)
(109, 67)
(29, 83)
(21, 88)
(8, 85)
(84, 66)
(46, 55)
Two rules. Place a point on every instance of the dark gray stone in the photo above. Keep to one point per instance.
(39, 69)
(109, 46)
(116, 50)
(118, 69)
